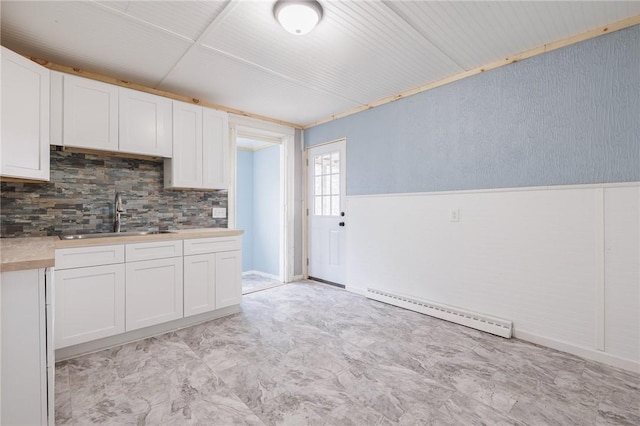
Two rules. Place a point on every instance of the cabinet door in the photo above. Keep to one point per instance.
(228, 278)
(145, 123)
(199, 284)
(154, 292)
(25, 118)
(215, 148)
(185, 168)
(24, 362)
(89, 304)
(90, 114)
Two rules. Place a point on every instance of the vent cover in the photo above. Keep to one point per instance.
(492, 325)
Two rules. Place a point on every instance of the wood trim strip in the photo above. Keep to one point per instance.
(596, 32)
(20, 180)
(108, 153)
(124, 83)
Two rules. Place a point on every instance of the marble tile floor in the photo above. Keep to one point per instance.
(255, 282)
(312, 354)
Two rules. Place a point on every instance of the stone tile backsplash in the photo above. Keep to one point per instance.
(79, 198)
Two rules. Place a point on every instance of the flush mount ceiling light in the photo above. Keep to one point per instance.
(298, 17)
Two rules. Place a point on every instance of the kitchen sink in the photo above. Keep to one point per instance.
(112, 234)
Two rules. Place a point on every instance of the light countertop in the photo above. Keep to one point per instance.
(39, 252)
(17, 254)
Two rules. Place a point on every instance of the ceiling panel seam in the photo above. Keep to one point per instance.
(362, 28)
(143, 22)
(280, 75)
(226, 10)
(424, 36)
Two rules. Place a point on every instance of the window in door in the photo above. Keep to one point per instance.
(327, 184)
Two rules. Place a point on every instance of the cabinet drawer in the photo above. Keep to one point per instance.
(155, 250)
(211, 245)
(89, 256)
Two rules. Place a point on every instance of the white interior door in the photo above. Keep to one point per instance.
(327, 186)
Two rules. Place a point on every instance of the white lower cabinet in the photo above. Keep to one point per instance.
(212, 274)
(154, 292)
(89, 304)
(228, 278)
(27, 352)
(105, 290)
(199, 284)
(89, 296)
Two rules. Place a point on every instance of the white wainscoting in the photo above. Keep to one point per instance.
(562, 263)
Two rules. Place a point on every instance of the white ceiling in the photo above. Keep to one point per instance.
(234, 53)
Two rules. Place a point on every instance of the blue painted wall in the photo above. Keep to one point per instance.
(244, 206)
(258, 209)
(266, 217)
(570, 116)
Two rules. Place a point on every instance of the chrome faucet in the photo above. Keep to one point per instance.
(118, 209)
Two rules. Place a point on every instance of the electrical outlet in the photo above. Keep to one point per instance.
(218, 212)
(454, 215)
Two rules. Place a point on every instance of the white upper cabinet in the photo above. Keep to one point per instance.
(184, 170)
(100, 116)
(25, 118)
(90, 114)
(145, 123)
(215, 143)
(200, 148)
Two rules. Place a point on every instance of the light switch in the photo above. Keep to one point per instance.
(218, 212)
(454, 215)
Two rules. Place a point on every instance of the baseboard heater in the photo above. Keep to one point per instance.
(492, 325)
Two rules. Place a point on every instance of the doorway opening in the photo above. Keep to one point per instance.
(261, 200)
(258, 212)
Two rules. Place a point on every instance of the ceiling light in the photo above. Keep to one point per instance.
(298, 16)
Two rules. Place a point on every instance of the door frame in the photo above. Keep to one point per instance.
(251, 128)
(305, 216)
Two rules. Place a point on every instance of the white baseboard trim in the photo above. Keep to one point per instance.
(356, 290)
(262, 274)
(141, 334)
(297, 278)
(498, 326)
(591, 354)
